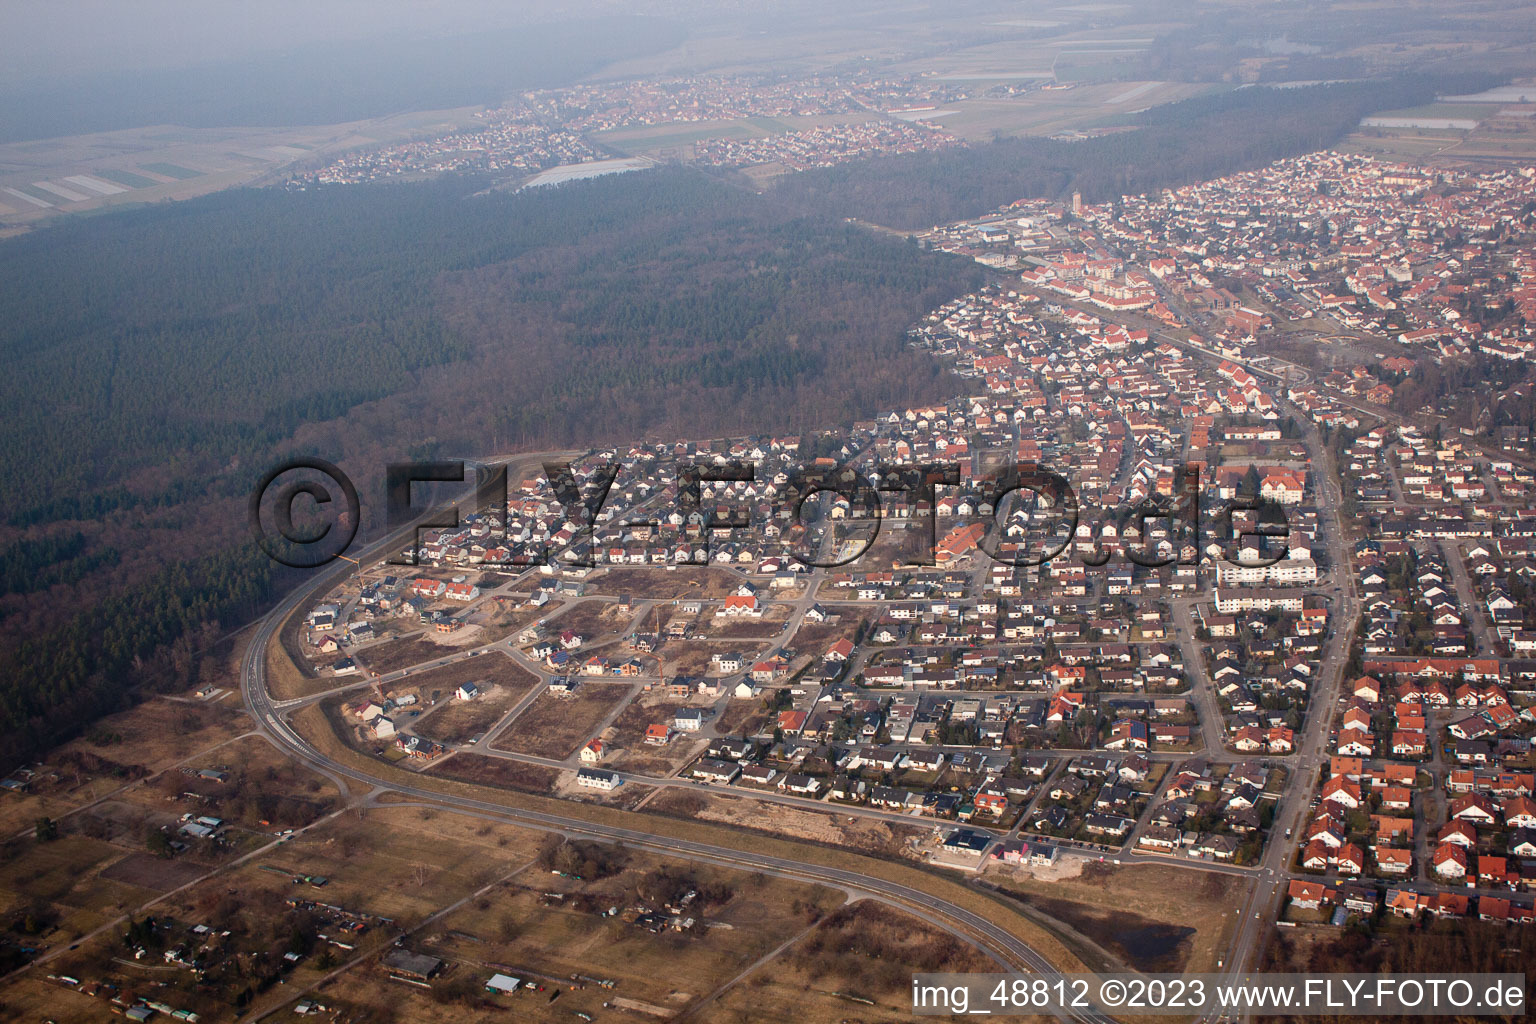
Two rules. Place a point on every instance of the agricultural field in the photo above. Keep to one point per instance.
(139, 166)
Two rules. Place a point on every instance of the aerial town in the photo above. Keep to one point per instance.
(1322, 673)
(704, 512)
(1145, 592)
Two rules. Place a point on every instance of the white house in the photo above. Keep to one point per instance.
(596, 778)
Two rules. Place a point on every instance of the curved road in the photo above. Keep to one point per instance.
(1004, 946)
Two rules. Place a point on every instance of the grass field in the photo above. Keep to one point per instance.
(118, 751)
(857, 962)
(52, 893)
(543, 928)
(850, 832)
(1457, 111)
(1151, 917)
(398, 862)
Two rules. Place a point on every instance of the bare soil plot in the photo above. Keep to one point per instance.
(855, 832)
(591, 619)
(628, 736)
(556, 726)
(656, 583)
(894, 547)
(498, 771)
(813, 638)
(692, 657)
(460, 720)
(628, 730)
(146, 871)
(770, 625)
(747, 715)
(499, 619)
(408, 650)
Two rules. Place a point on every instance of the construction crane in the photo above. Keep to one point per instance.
(354, 561)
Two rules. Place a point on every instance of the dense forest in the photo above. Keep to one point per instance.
(30, 565)
(150, 352)
(161, 360)
(1169, 145)
(63, 677)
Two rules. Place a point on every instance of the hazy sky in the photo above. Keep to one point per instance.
(49, 38)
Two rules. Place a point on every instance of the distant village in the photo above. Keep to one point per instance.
(841, 118)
